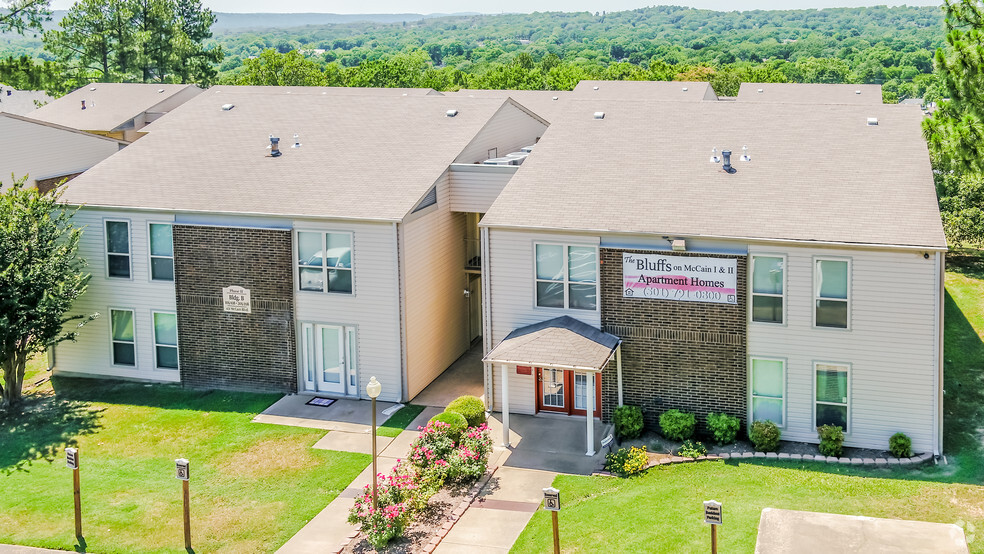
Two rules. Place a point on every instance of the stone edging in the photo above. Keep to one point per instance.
(876, 462)
(444, 529)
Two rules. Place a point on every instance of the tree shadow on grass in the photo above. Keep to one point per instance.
(39, 427)
(963, 385)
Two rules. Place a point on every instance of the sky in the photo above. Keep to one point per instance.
(516, 6)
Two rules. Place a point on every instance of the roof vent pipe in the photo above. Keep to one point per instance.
(274, 146)
(726, 155)
(83, 104)
(297, 141)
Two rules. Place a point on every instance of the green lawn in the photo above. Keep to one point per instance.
(399, 421)
(253, 486)
(661, 510)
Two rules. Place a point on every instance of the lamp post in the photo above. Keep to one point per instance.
(372, 390)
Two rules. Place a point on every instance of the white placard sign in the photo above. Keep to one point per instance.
(686, 278)
(236, 299)
(713, 513)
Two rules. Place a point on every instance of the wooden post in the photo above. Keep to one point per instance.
(714, 539)
(556, 532)
(78, 502)
(187, 514)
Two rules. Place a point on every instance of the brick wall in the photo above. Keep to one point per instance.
(684, 355)
(225, 350)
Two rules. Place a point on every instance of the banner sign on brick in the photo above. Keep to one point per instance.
(236, 299)
(685, 278)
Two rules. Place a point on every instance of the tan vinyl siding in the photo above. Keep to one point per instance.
(373, 308)
(91, 353)
(890, 345)
(434, 280)
(475, 187)
(41, 152)
(507, 131)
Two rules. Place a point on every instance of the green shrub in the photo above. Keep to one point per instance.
(723, 427)
(692, 449)
(628, 422)
(831, 440)
(764, 436)
(677, 425)
(471, 407)
(627, 461)
(457, 422)
(900, 445)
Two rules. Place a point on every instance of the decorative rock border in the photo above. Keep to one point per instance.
(444, 529)
(874, 462)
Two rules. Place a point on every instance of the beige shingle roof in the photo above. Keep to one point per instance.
(544, 103)
(672, 91)
(362, 157)
(108, 105)
(562, 342)
(799, 93)
(20, 102)
(818, 173)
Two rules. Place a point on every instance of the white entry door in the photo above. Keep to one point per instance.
(329, 359)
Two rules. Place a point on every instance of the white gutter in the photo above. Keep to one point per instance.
(247, 214)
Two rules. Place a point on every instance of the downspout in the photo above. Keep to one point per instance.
(400, 320)
(941, 291)
(487, 316)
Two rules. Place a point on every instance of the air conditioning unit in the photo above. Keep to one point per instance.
(500, 161)
(527, 149)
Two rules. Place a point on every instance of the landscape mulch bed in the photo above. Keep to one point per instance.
(423, 528)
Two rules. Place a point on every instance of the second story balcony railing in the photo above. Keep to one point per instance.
(473, 254)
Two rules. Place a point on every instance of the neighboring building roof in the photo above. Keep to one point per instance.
(362, 157)
(817, 173)
(26, 119)
(675, 91)
(803, 93)
(562, 342)
(544, 103)
(21, 102)
(108, 105)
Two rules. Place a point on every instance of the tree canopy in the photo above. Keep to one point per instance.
(21, 15)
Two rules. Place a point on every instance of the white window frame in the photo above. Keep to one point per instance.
(151, 256)
(751, 288)
(324, 266)
(153, 329)
(813, 387)
(129, 245)
(566, 280)
(113, 341)
(751, 389)
(816, 290)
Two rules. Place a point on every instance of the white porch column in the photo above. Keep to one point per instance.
(505, 405)
(618, 365)
(590, 413)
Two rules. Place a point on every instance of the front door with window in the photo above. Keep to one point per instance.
(328, 360)
(565, 391)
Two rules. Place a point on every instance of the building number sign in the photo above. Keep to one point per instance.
(236, 299)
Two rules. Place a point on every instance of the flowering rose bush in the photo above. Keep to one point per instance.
(397, 499)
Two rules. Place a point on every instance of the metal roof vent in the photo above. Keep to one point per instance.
(599, 115)
(297, 141)
(83, 104)
(726, 155)
(274, 147)
(596, 88)
(761, 90)
(714, 156)
(684, 89)
(744, 154)
(555, 98)
(872, 121)
(451, 113)
(227, 107)
(160, 90)
(92, 88)
(857, 92)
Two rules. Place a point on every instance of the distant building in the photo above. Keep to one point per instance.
(21, 102)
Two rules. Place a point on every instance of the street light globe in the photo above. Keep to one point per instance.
(373, 388)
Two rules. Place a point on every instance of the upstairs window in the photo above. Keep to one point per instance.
(118, 249)
(832, 293)
(161, 252)
(768, 285)
(566, 276)
(324, 262)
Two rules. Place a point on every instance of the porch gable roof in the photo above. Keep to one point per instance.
(562, 342)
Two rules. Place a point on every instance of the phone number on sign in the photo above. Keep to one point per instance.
(677, 294)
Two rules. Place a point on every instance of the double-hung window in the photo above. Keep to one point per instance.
(166, 340)
(324, 262)
(118, 249)
(768, 286)
(124, 345)
(832, 394)
(768, 390)
(832, 293)
(566, 276)
(161, 252)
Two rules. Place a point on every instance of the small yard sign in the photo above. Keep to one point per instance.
(551, 499)
(712, 512)
(183, 472)
(607, 441)
(72, 458)
(236, 299)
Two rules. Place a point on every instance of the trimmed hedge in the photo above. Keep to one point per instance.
(676, 425)
(455, 420)
(471, 407)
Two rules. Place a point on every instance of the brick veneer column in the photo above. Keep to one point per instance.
(684, 355)
(225, 350)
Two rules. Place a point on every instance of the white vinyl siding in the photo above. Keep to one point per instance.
(373, 308)
(475, 187)
(891, 344)
(434, 281)
(522, 390)
(507, 131)
(91, 354)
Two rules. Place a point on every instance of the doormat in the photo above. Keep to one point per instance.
(323, 402)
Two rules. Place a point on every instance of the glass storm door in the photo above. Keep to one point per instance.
(331, 360)
(552, 390)
(328, 359)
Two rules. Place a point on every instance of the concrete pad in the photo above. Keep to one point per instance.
(343, 415)
(15, 549)
(352, 442)
(490, 528)
(517, 485)
(451, 548)
(789, 531)
(327, 529)
(550, 443)
(465, 376)
(400, 446)
(384, 465)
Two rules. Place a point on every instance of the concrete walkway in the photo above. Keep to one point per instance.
(465, 376)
